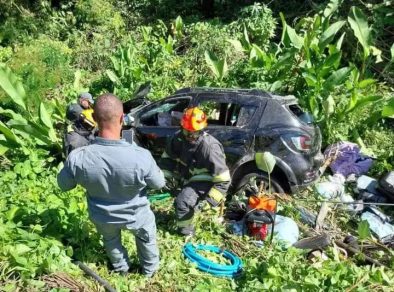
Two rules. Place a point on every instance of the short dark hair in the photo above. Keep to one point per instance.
(107, 108)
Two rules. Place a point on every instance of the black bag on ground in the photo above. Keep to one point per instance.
(386, 185)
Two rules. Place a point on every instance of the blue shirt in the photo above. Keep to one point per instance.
(115, 175)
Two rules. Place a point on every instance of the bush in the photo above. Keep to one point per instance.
(43, 65)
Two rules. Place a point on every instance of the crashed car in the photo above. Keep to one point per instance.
(247, 122)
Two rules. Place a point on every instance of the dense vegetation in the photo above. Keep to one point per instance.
(337, 59)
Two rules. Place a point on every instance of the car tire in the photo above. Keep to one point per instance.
(249, 188)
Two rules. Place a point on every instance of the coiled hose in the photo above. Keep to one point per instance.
(232, 270)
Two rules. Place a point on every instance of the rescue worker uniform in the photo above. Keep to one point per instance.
(116, 175)
(81, 131)
(200, 166)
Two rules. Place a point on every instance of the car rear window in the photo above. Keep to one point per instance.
(303, 116)
(296, 109)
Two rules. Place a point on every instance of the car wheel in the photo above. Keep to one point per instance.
(250, 184)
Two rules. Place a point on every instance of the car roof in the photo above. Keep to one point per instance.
(257, 93)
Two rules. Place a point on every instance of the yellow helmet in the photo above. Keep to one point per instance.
(87, 117)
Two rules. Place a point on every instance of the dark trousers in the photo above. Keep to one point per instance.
(188, 198)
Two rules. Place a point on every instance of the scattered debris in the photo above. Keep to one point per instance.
(321, 216)
(332, 188)
(63, 281)
(319, 241)
(317, 256)
(380, 227)
(349, 159)
(386, 185)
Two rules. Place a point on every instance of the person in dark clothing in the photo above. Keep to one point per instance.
(81, 131)
(196, 160)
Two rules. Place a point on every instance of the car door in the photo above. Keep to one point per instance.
(232, 119)
(158, 121)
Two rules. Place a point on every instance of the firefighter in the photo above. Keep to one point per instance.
(82, 129)
(197, 161)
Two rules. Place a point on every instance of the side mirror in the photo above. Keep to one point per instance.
(128, 120)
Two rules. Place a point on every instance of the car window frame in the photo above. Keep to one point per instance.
(157, 104)
(232, 98)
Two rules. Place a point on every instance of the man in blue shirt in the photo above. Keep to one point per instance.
(116, 175)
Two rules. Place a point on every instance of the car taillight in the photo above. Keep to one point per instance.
(302, 143)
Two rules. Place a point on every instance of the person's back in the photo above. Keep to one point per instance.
(115, 175)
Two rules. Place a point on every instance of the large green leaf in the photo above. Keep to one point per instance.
(237, 45)
(329, 34)
(340, 41)
(3, 147)
(284, 61)
(295, 39)
(365, 83)
(34, 132)
(258, 57)
(178, 26)
(12, 86)
(331, 7)
(285, 36)
(332, 62)
(329, 105)
(363, 230)
(13, 115)
(44, 116)
(112, 76)
(359, 102)
(9, 134)
(337, 78)
(218, 67)
(388, 109)
(245, 39)
(265, 161)
(47, 121)
(77, 80)
(359, 24)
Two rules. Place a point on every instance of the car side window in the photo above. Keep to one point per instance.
(227, 113)
(164, 114)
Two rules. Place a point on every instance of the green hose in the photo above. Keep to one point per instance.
(159, 197)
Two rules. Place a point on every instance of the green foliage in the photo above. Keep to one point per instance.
(42, 65)
(42, 229)
(218, 67)
(32, 126)
(12, 86)
(308, 63)
(363, 230)
(258, 21)
(58, 49)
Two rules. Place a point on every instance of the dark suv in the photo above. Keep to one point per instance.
(246, 122)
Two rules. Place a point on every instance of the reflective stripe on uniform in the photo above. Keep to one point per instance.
(181, 162)
(224, 176)
(215, 195)
(185, 223)
(197, 171)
